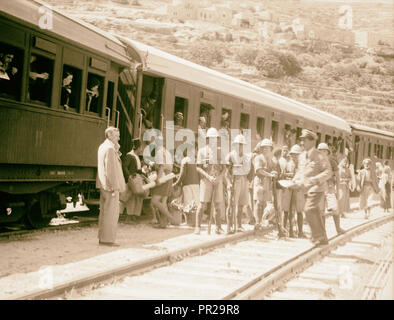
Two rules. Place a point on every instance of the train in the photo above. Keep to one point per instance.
(60, 87)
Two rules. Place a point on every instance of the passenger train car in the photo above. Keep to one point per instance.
(61, 87)
(372, 143)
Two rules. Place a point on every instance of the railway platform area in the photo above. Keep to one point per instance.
(112, 264)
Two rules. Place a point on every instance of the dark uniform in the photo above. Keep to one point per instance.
(314, 171)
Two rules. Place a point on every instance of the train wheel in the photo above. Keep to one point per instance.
(41, 209)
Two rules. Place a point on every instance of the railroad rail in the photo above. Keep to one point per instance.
(243, 266)
(262, 286)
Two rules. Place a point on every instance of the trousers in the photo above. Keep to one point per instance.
(314, 215)
(109, 215)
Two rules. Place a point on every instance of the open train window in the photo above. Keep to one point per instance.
(335, 142)
(94, 93)
(287, 135)
(180, 111)
(244, 121)
(260, 128)
(225, 119)
(11, 67)
(318, 138)
(298, 134)
(342, 146)
(274, 131)
(40, 79)
(328, 139)
(369, 149)
(71, 88)
(205, 112)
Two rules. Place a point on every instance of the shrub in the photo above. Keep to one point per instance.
(247, 55)
(206, 54)
(269, 65)
(290, 63)
(307, 60)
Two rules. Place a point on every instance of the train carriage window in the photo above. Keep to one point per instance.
(318, 138)
(342, 146)
(298, 134)
(205, 115)
(180, 111)
(335, 142)
(375, 149)
(369, 149)
(225, 120)
(40, 79)
(71, 88)
(94, 93)
(11, 67)
(287, 135)
(244, 121)
(260, 128)
(328, 139)
(388, 152)
(274, 131)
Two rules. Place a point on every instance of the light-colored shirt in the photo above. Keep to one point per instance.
(209, 160)
(241, 165)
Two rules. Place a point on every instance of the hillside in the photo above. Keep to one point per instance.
(353, 83)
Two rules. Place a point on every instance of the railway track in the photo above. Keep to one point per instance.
(250, 267)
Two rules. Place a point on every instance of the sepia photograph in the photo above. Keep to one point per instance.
(196, 153)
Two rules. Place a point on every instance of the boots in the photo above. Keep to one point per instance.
(337, 221)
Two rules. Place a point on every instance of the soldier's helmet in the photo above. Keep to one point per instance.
(323, 146)
(212, 133)
(240, 139)
(296, 149)
(266, 143)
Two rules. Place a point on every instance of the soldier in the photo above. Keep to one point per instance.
(288, 169)
(266, 168)
(211, 182)
(238, 166)
(314, 171)
(297, 196)
(332, 186)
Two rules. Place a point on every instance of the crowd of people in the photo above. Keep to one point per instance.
(266, 185)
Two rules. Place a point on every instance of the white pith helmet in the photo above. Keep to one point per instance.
(323, 146)
(266, 143)
(212, 133)
(296, 149)
(239, 139)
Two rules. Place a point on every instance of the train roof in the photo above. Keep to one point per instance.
(165, 64)
(360, 127)
(70, 29)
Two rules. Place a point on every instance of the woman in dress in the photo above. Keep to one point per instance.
(385, 188)
(344, 180)
(163, 166)
(131, 168)
(364, 181)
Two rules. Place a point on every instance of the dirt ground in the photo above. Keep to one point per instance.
(29, 253)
